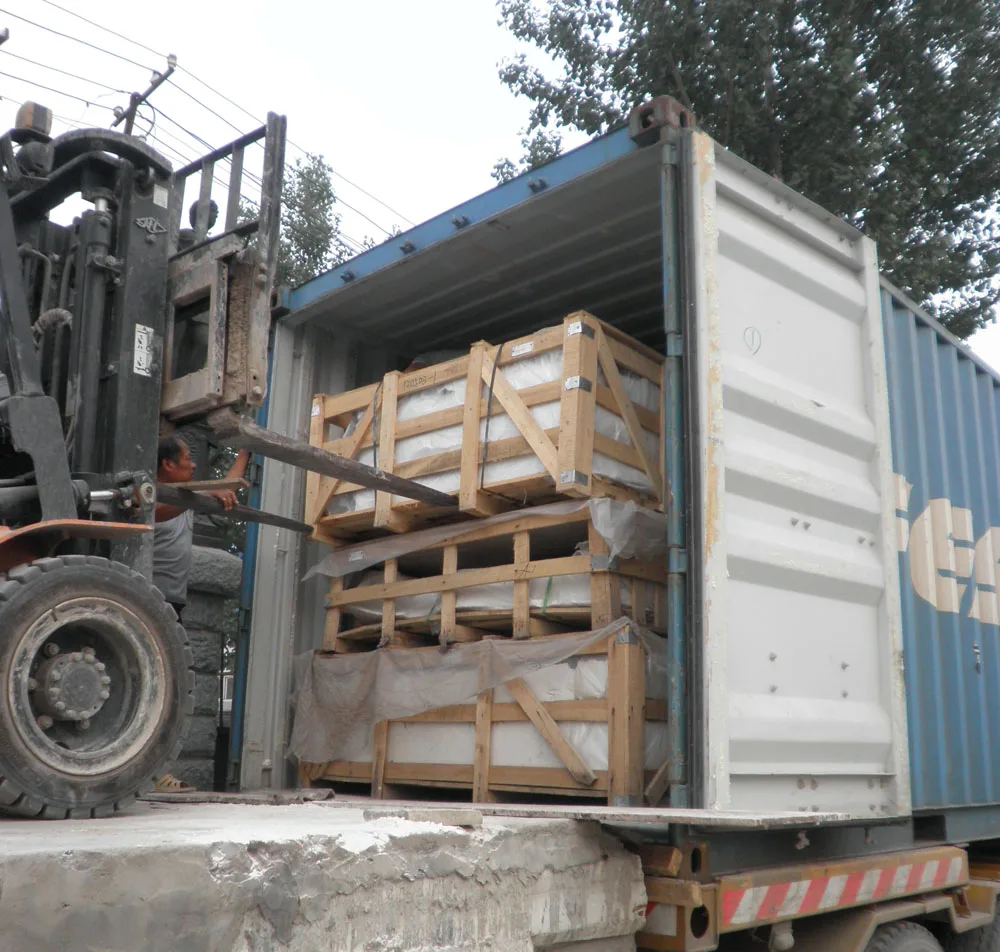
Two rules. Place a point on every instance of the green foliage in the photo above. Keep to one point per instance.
(539, 148)
(310, 228)
(885, 112)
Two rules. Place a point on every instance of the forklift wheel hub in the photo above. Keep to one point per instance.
(72, 687)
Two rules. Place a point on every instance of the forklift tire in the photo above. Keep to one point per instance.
(95, 687)
(903, 937)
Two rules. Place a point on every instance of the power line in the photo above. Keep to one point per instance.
(208, 145)
(55, 69)
(75, 123)
(76, 39)
(303, 151)
(120, 36)
(195, 99)
(58, 92)
(363, 191)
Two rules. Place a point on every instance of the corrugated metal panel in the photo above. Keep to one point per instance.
(804, 704)
(524, 260)
(945, 407)
(288, 614)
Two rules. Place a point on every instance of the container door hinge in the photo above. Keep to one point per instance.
(677, 561)
(675, 345)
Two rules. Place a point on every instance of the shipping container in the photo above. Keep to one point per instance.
(945, 413)
(831, 457)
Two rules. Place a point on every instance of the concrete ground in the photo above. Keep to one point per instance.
(224, 877)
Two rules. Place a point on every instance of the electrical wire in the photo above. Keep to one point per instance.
(76, 39)
(120, 36)
(194, 98)
(55, 69)
(58, 92)
(221, 95)
(185, 92)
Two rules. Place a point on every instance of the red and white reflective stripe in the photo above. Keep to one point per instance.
(803, 897)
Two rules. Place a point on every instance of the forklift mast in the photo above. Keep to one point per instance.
(138, 322)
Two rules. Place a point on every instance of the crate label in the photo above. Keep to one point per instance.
(356, 557)
(577, 382)
(142, 354)
(315, 410)
(520, 350)
(161, 196)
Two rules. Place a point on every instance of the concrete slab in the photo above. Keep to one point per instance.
(311, 876)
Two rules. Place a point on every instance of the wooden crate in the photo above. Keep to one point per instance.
(598, 365)
(624, 710)
(516, 552)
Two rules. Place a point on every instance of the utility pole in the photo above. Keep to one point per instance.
(137, 99)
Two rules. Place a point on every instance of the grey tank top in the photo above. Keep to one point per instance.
(172, 541)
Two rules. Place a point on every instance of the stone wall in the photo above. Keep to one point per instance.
(215, 578)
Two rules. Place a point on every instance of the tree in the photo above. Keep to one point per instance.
(884, 112)
(539, 148)
(311, 242)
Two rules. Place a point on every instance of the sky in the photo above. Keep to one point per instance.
(402, 98)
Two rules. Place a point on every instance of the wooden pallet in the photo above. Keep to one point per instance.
(515, 552)
(590, 350)
(624, 709)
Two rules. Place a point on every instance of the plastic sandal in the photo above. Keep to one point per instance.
(168, 783)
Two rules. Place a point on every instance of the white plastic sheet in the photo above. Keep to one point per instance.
(544, 594)
(341, 698)
(629, 530)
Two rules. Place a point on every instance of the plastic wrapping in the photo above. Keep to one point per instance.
(520, 744)
(543, 368)
(564, 591)
(625, 526)
(340, 698)
(630, 531)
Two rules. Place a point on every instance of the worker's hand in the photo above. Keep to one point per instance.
(226, 496)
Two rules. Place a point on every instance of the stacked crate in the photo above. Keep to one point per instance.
(570, 412)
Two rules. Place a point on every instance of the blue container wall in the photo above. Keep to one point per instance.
(945, 422)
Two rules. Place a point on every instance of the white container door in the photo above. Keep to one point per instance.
(801, 669)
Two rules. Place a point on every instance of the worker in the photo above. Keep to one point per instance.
(185, 237)
(173, 538)
(173, 534)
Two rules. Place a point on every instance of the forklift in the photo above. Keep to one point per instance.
(115, 329)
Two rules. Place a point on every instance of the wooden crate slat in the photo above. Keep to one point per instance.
(348, 448)
(519, 414)
(576, 408)
(627, 409)
(570, 565)
(566, 450)
(484, 720)
(530, 396)
(549, 730)
(385, 518)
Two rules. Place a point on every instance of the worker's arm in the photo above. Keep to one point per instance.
(164, 512)
(239, 468)
(226, 496)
